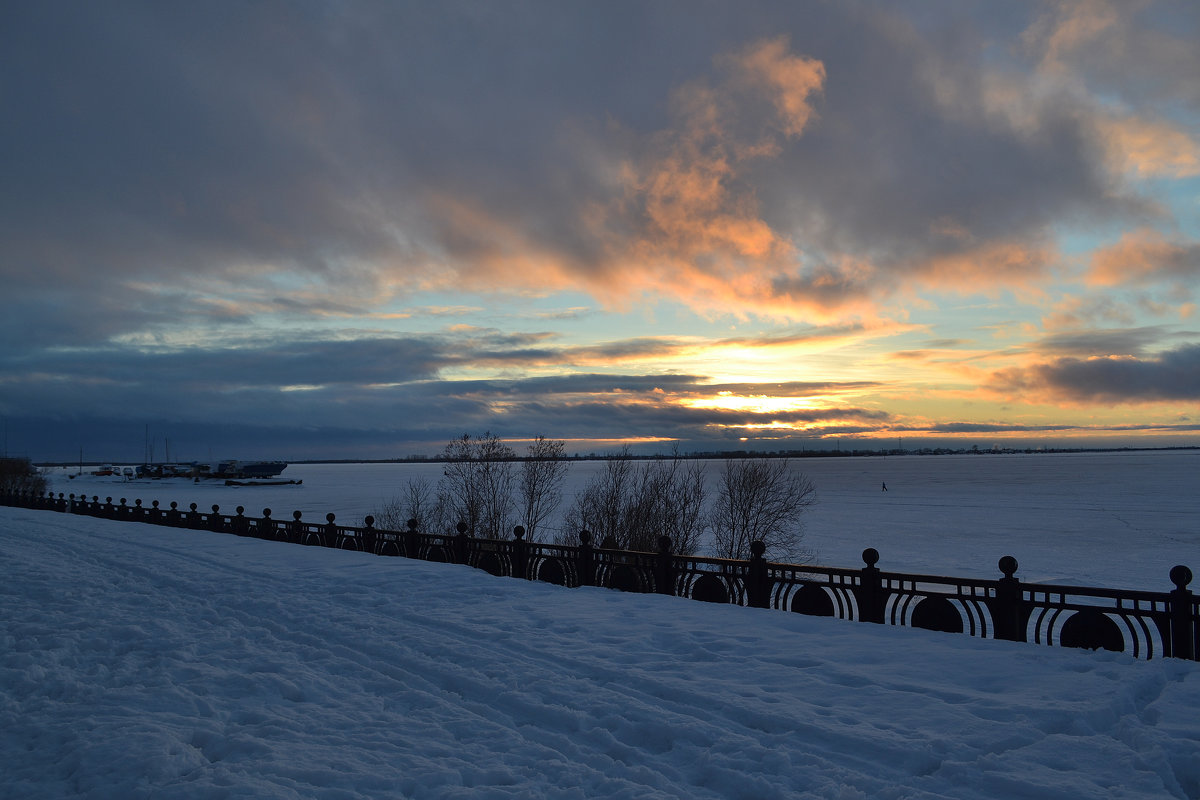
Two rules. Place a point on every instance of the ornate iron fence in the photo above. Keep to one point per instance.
(1143, 624)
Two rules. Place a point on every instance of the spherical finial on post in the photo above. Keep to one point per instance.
(664, 544)
(519, 532)
(412, 524)
(296, 515)
(369, 521)
(216, 509)
(757, 548)
(461, 528)
(585, 538)
(1008, 565)
(870, 556)
(1181, 576)
(240, 510)
(330, 517)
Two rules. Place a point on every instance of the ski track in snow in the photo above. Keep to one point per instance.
(146, 662)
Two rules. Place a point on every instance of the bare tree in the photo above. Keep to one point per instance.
(540, 483)
(495, 471)
(761, 499)
(666, 499)
(630, 507)
(478, 478)
(460, 482)
(682, 495)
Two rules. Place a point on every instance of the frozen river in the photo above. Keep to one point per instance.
(1121, 518)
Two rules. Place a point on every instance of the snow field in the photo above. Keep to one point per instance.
(146, 662)
(1118, 519)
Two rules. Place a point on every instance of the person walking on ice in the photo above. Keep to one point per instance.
(885, 486)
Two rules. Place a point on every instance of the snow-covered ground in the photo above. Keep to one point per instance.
(146, 662)
(1120, 519)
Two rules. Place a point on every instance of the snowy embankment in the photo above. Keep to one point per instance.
(146, 662)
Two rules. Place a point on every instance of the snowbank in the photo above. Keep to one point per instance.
(143, 662)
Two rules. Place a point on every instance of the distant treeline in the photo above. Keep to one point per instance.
(722, 454)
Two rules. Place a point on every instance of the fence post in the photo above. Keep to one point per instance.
(664, 567)
(215, 522)
(296, 529)
(758, 583)
(870, 589)
(370, 537)
(240, 523)
(193, 517)
(1184, 630)
(520, 552)
(1006, 607)
(586, 563)
(412, 545)
(461, 544)
(329, 536)
(265, 527)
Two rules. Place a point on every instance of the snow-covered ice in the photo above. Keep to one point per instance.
(1119, 519)
(146, 662)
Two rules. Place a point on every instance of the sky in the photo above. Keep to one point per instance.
(358, 230)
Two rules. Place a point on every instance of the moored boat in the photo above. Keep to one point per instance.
(239, 470)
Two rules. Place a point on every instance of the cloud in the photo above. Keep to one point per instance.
(317, 163)
(1111, 342)
(1143, 256)
(1141, 52)
(1173, 375)
(1149, 148)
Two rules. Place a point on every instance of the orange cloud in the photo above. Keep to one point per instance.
(1069, 26)
(990, 265)
(788, 80)
(1141, 256)
(688, 225)
(1149, 148)
(490, 251)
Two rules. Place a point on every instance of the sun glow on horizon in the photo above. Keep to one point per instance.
(758, 404)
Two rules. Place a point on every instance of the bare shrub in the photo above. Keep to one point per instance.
(629, 507)
(20, 476)
(761, 499)
(418, 501)
(600, 506)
